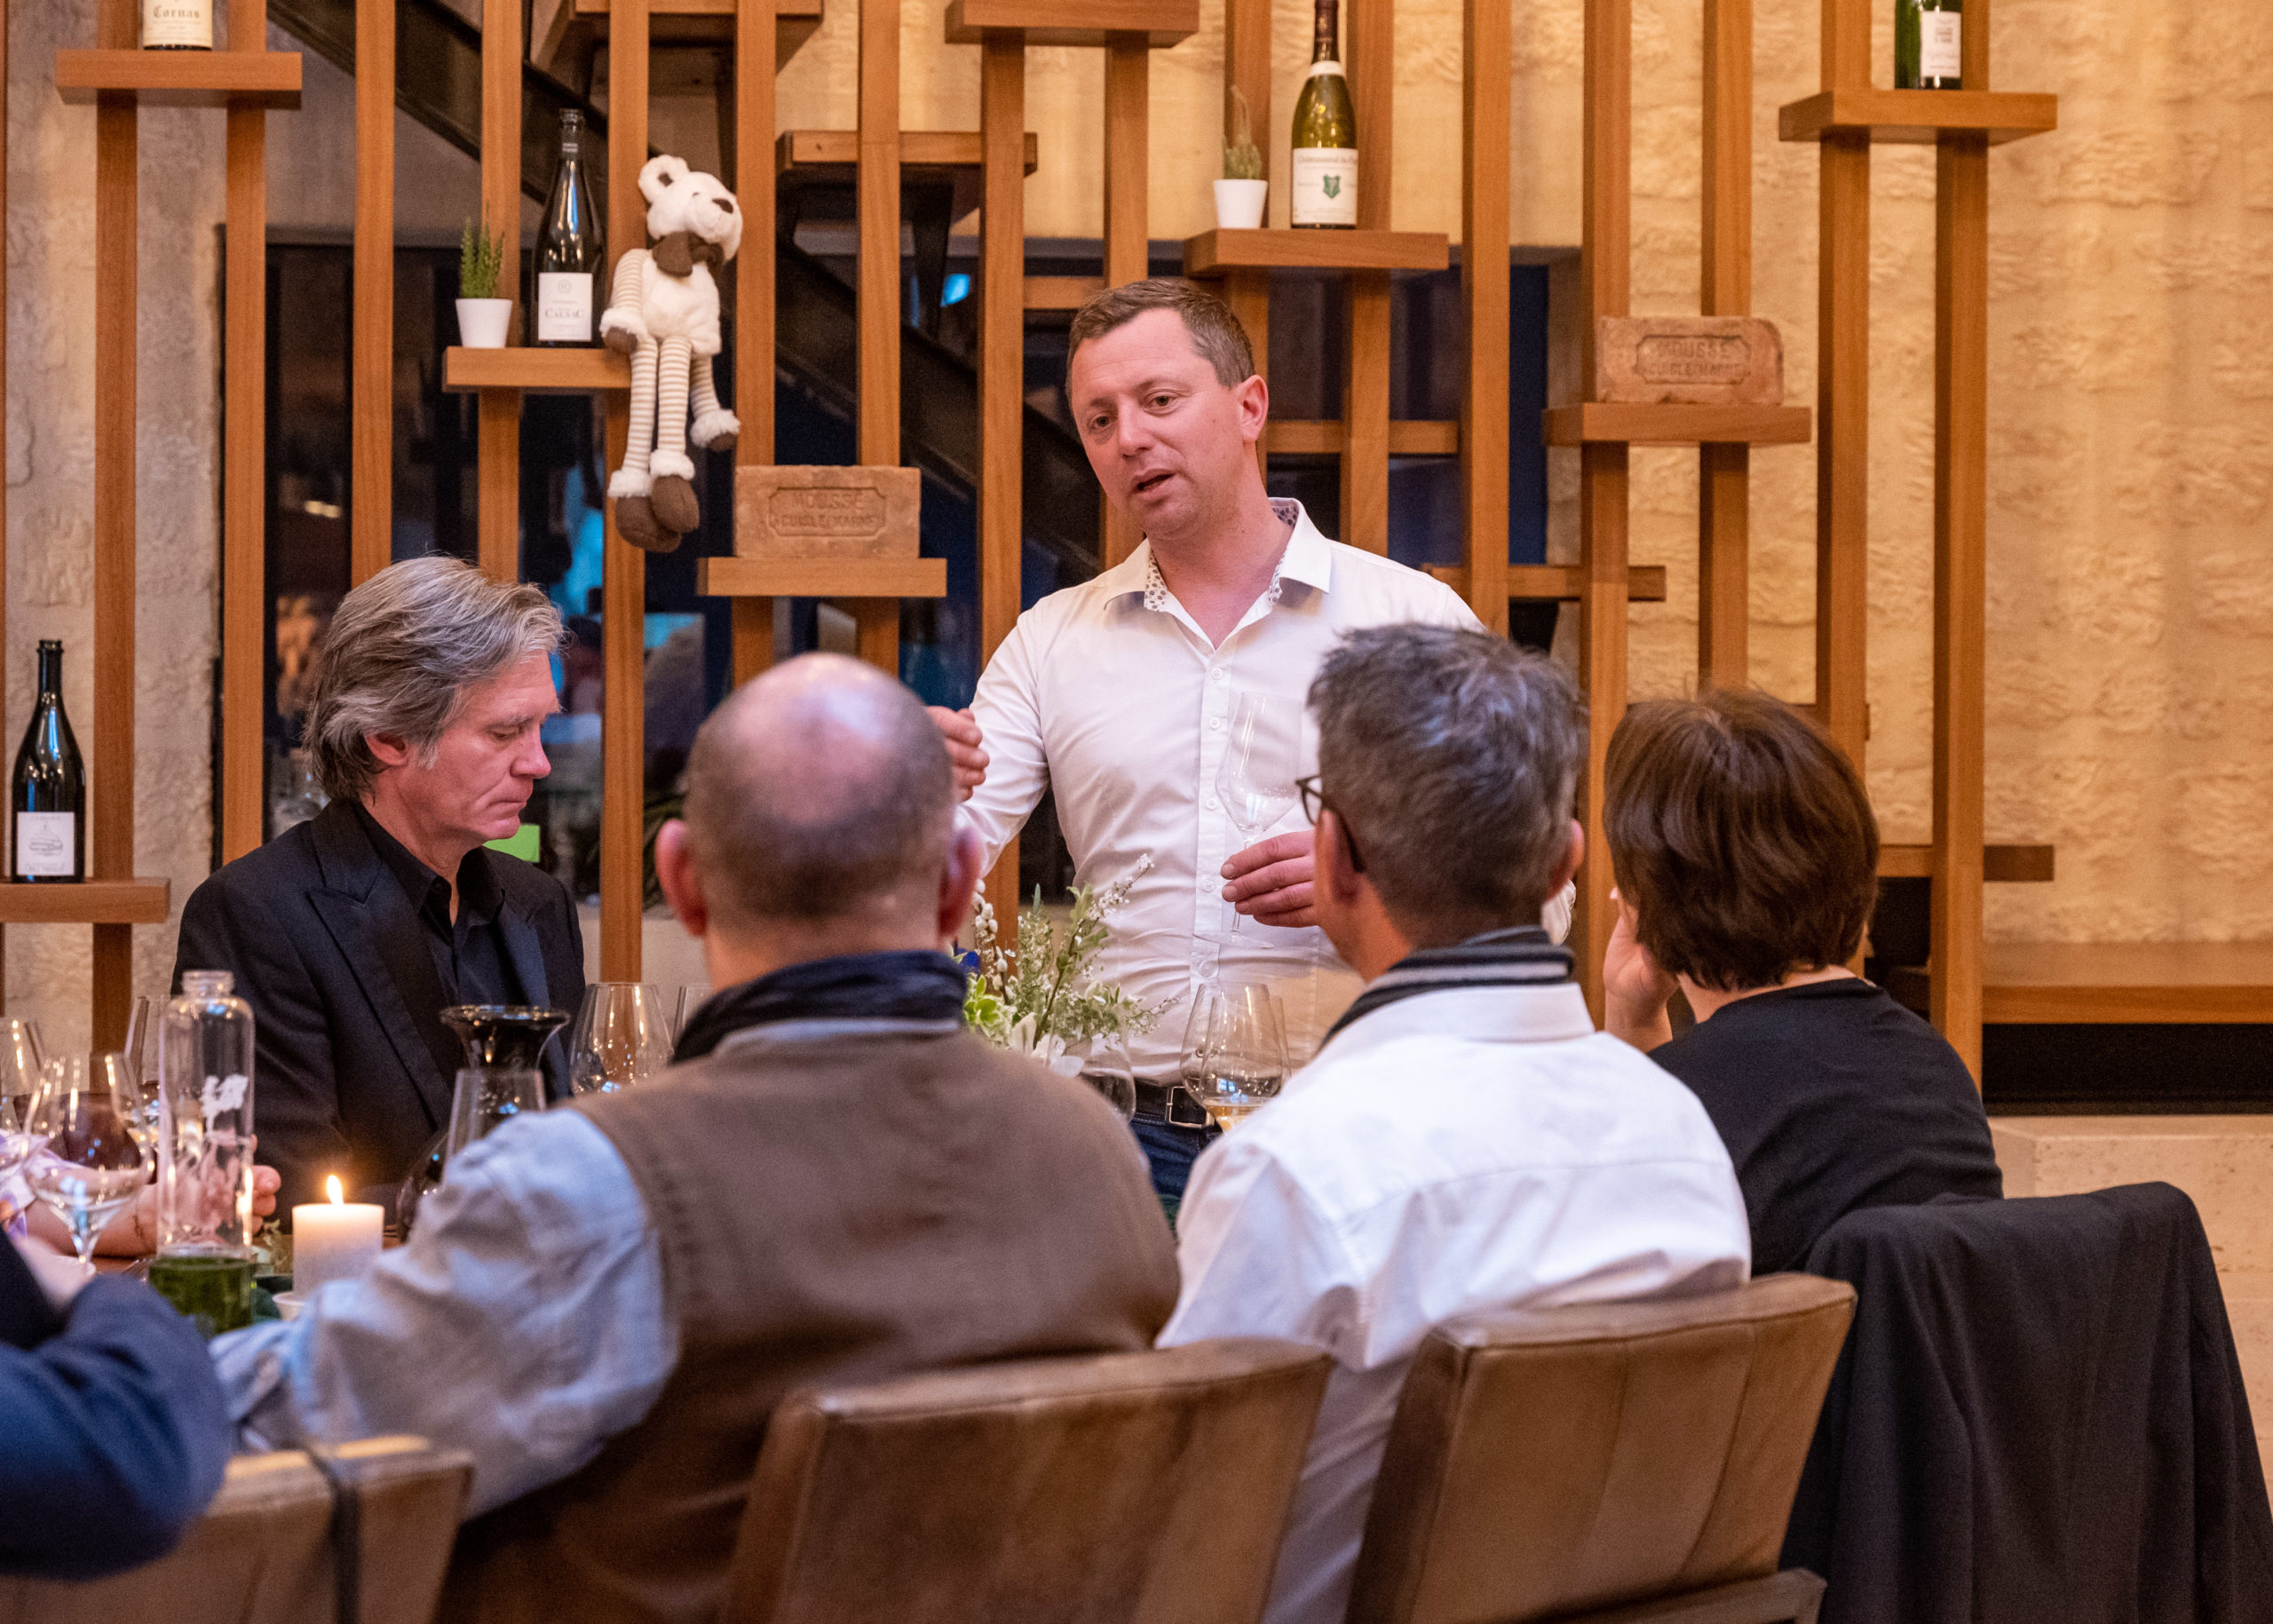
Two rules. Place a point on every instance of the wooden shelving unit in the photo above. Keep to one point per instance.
(1645, 583)
(263, 79)
(1330, 437)
(1614, 424)
(701, 22)
(91, 902)
(1212, 253)
(1146, 25)
(2114, 983)
(530, 371)
(1846, 119)
(837, 578)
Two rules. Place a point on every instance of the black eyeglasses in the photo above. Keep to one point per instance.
(1314, 801)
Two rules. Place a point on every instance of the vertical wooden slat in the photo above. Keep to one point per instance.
(753, 118)
(371, 507)
(110, 845)
(1724, 538)
(1368, 46)
(9, 868)
(1001, 363)
(1483, 236)
(1247, 64)
(498, 501)
(623, 584)
(1605, 219)
(243, 456)
(878, 206)
(1842, 441)
(1847, 42)
(1128, 86)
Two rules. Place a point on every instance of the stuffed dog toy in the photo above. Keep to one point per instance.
(663, 312)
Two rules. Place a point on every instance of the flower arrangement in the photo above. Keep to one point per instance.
(1046, 996)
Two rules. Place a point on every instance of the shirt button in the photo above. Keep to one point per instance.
(1215, 723)
(1214, 804)
(1218, 675)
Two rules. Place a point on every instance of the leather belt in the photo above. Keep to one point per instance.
(1169, 1103)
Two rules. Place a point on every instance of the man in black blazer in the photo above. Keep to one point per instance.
(351, 933)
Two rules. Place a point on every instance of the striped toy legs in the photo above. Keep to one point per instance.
(716, 429)
(672, 489)
(630, 485)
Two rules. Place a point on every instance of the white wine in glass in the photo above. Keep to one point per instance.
(1235, 1051)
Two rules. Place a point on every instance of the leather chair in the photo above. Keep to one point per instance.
(263, 1551)
(1141, 1488)
(1615, 1461)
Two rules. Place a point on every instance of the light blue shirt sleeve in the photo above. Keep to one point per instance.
(524, 1322)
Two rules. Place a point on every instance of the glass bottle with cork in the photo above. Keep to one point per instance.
(1322, 189)
(204, 1265)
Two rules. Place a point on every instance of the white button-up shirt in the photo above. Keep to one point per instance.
(1451, 1153)
(1109, 694)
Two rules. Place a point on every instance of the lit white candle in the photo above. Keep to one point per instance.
(332, 1242)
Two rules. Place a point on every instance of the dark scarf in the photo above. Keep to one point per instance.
(1521, 955)
(910, 983)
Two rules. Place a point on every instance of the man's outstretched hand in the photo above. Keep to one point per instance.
(1271, 882)
(959, 729)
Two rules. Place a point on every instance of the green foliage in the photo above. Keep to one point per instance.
(481, 261)
(1046, 996)
(1242, 158)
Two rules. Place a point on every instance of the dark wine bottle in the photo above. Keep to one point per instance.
(49, 794)
(1325, 143)
(570, 258)
(1929, 44)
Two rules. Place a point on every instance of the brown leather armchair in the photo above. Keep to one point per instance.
(263, 1551)
(1623, 1461)
(1145, 1487)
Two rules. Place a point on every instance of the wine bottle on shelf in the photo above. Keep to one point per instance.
(49, 794)
(1324, 189)
(176, 25)
(1929, 44)
(570, 258)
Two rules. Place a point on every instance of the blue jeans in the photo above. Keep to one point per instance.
(1171, 1150)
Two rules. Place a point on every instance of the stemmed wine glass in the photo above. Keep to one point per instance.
(1256, 778)
(23, 1059)
(1106, 1067)
(141, 1057)
(93, 1163)
(620, 1038)
(1234, 1051)
(691, 997)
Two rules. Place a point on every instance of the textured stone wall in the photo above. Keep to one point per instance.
(52, 476)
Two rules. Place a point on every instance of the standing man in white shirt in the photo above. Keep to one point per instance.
(1119, 693)
(1465, 1140)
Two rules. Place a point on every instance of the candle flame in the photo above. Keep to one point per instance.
(331, 1187)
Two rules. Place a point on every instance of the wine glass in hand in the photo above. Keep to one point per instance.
(1256, 778)
(91, 1165)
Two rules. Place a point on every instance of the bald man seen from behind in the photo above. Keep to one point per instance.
(836, 1182)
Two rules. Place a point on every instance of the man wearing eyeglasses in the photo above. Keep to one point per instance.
(1121, 695)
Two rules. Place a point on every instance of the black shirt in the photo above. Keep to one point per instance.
(469, 954)
(1832, 1097)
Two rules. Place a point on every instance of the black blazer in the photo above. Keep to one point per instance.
(355, 1067)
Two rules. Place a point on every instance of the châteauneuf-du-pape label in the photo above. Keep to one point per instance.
(1940, 42)
(1325, 187)
(564, 308)
(43, 845)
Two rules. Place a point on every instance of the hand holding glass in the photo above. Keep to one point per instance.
(1256, 778)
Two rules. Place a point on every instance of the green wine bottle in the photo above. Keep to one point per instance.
(1929, 44)
(1325, 182)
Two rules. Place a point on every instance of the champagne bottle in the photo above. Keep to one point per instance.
(1325, 182)
(1929, 44)
(176, 25)
(569, 260)
(50, 791)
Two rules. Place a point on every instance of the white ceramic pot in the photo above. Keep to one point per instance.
(1239, 203)
(483, 323)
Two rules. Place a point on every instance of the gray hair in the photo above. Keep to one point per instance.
(1451, 756)
(402, 651)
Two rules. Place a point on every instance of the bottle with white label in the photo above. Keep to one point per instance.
(49, 794)
(1929, 44)
(1322, 189)
(569, 261)
(176, 25)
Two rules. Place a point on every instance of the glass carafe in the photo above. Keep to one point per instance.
(205, 1125)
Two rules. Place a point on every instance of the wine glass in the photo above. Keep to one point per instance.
(487, 1097)
(1106, 1067)
(1235, 1051)
(92, 1164)
(620, 1038)
(1256, 778)
(23, 1058)
(141, 1056)
(691, 997)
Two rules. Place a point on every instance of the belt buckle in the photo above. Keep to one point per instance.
(1180, 1101)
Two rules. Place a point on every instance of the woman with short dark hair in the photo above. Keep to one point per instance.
(1747, 856)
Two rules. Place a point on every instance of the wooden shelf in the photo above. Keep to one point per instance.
(535, 371)
(181, 79)
(1918, 118)
(2002, 865)
(1598, 422)
(90, 902)
(821, 577)
(1074, 22)
(839, 150)
(1531, 584)
(1061, 292)
(1327, 437)
(2114, 983)
(1273, 249)
(704, 22)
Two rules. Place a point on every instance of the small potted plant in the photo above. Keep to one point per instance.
(484, 319)
(1240, 193)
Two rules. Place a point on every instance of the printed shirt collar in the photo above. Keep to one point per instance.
(1553, 1013)
(1308, 560)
